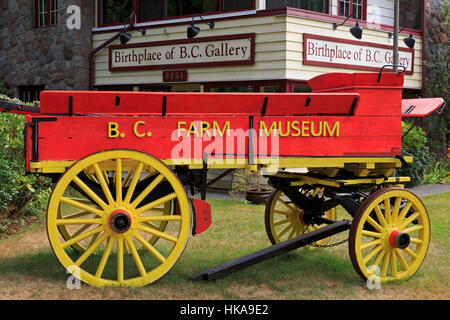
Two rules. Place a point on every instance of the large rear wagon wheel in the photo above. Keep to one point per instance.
(127, 237)
(389, 235)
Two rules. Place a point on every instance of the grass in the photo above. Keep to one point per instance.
(29, 269)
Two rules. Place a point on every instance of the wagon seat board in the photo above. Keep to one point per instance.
(345, 115)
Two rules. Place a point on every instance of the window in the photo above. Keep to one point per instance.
(312, 5)
(411, 14)
(161, 9)
(30, 93)
(352, 8)
(248, 88)
(46, 13)
(115, 11)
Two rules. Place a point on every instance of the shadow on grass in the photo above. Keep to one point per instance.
(289, 273)
(40, 265)
(302, 263)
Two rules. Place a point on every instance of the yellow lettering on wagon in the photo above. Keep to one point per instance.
(135, 129)
(216, 128)
(331, 132)
(299, 128)
(113, 130)
(202, 128)
(263, 129)
(180, 124)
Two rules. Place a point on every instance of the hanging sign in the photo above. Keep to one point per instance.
(350, 54)
(200, 52)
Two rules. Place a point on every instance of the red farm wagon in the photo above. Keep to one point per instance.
(122, 162)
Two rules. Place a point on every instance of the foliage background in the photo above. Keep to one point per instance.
(21, 195)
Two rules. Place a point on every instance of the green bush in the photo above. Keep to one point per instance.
(19, 192)
(414, 145)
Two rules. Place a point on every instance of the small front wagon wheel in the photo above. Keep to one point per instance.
(124, 202)
(389, 235)
(284, 220)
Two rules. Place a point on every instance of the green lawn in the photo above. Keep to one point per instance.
(29, 270)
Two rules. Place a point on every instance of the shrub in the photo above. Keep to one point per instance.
(414, 145)
(19, 192)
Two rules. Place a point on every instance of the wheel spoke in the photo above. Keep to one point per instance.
(105, 257)
(387, 210)
(81, 237)
(374, 224)
(410, 253)
(380, 215)
(78, 221)
(82, 229)
(372, 253)
(128, 177)
(120, 260)
(103, 183)
(416, 240)
(134, 181)
(404, 211)
(283, 221)
(370, 244)
(147, 190)
(368, 233)
(286, 229)
(413, 229)
(410, 219)
(380, 256)
(90, 250)
(285, 204)
(76, 215)
(384, 265)
(401, 259)
(118, 179)
(156, 203)
(396, 209)
(136, 257)
(156, 233)
(89, 192)
(159, 218)
(283, 212)
(81, 206)
(149, 247)
(393, 265)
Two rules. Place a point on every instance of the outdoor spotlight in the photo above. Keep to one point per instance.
(356, 31)
(193, 31)
(410, 41)
(125, 37)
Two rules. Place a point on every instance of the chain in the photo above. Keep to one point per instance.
(326, 245)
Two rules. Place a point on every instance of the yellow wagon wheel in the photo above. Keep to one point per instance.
(389, 236)
(69, 232)
(121, 221)
(284, 220)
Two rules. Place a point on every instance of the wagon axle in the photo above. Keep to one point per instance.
(120, 221)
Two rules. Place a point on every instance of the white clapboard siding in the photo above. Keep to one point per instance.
(278, 49)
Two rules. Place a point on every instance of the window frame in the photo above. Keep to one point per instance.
(137, 10)
(30, 90)
(327, 7)
(364, 10)
(37, 7)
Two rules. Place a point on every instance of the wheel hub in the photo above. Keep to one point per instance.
(120, 221)
(398, 239)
